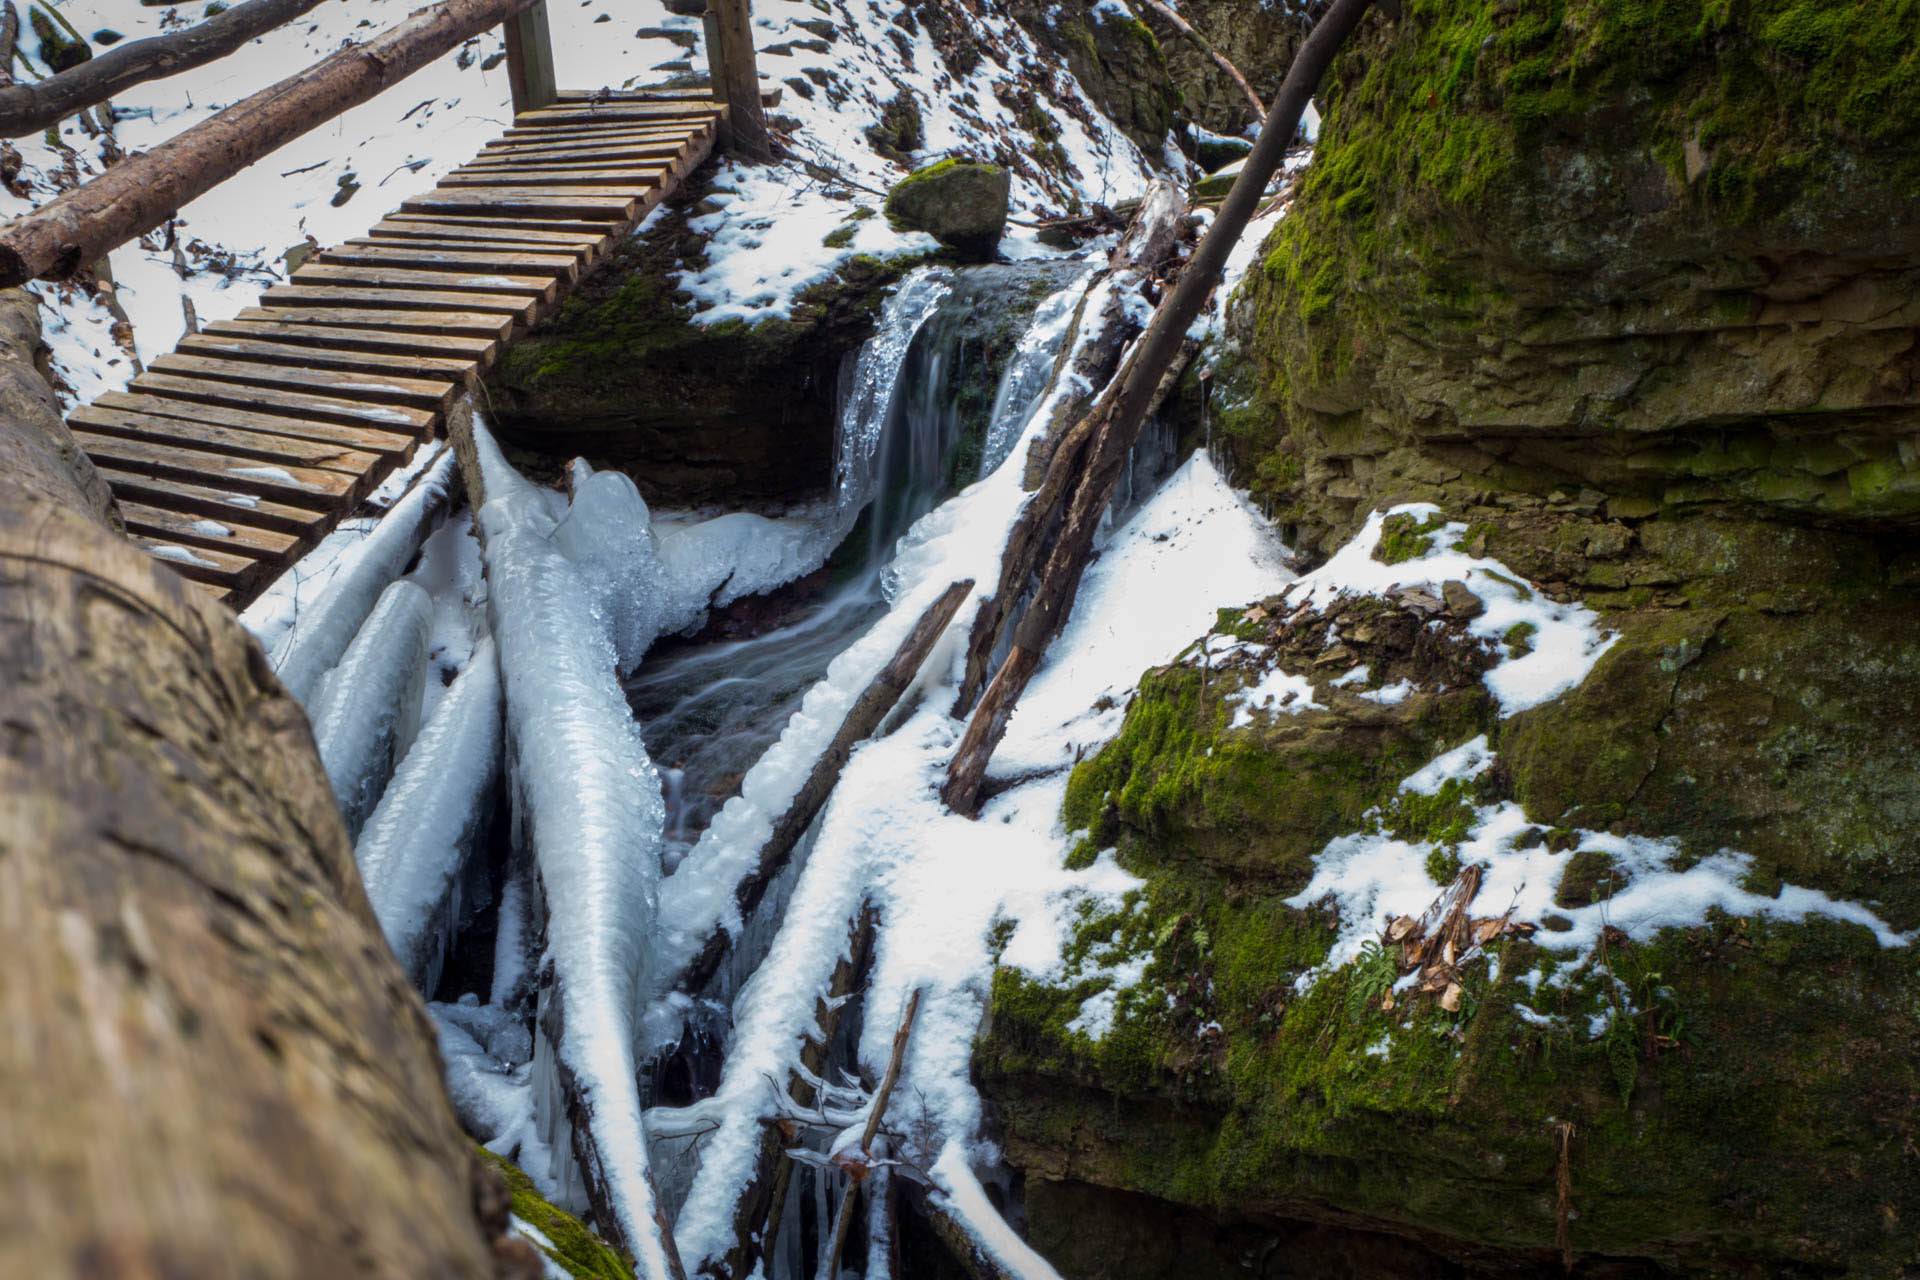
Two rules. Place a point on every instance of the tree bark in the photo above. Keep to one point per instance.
(143, 191)
(212, 1064)
(879, 698)
(26, 109)
(1115, 422)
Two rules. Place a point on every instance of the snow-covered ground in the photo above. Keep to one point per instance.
(767, 225)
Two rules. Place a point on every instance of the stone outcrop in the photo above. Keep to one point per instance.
(1630, 291)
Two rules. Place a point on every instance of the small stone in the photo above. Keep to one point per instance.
(1556, 924)
(1461, 602)
(961, 204)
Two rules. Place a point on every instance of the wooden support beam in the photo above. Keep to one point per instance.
(736, 77)
(530, 59)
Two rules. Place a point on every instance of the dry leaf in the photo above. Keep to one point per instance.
(1450, 999)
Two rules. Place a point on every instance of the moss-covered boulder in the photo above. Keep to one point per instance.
(732, 413)
(1116, 59)
(960, 203)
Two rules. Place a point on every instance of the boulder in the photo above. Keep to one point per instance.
(960, 203)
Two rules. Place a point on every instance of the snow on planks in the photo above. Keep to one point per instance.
(235, 454)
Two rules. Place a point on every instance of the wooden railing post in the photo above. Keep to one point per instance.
(736, 76)
(530, 60)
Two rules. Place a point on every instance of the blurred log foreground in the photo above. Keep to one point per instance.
(210, 1064)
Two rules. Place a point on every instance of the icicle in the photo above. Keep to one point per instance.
(430, 819)
(590, 803)
(863, 413)
(317, 640)
(1028, 372)
(367, 716)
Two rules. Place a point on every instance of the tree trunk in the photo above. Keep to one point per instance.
(212, 1064)
(143, 191)
(26, 109)
(1115, 422)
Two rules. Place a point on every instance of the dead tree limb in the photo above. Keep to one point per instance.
(1094, 353)
(844, 1218)
(143, 191)
(1118, 416)
(28, 108)
(192, 981)
(862, 719)
(764, 1200)
(1207, 47)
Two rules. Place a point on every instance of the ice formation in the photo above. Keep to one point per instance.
(313, 640)
(414, 851)
(366, 712)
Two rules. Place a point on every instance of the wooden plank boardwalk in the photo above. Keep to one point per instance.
(234, 454)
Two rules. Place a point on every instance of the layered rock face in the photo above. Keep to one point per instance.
(1630, 292)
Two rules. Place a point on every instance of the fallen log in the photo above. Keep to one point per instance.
(862, 719)
(1115, 421)
(143, 191)
(192, 982)
(1093, 354)
(28, 108)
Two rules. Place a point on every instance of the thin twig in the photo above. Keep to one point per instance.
(874, 1117)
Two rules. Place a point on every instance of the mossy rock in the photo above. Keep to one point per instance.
(569, 1244)
(960, 203)
(1751, 1063)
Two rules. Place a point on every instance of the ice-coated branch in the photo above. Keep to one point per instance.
(323, 634)
(880, 1099)
(368, 709)
(414, 849)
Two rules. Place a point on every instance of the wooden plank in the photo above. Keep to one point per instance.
(195, 530)
(542, 139)
(563, 266)
(294, 374)
(608, 204)
(417, 301)
(330, 275)
(224, 505)
(769, 94)
(299, 486)
(523, 233)
(593, 176)
(601, 128)
(225, 343)
(393, 417)
(233, 573)
(578, 259)
(398, 324)
(292, 440)
(580, 154)
(258, 445)
(597, 231)
(388, 441)
(617, 113)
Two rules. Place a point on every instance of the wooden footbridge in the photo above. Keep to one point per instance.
(236, 453)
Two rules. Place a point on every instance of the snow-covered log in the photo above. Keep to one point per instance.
(368, 710)
(588, 801)
(879, 698)
(434, 813)
(315, 643)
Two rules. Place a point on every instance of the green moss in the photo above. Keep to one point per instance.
(1519, 638)
(840, 237)
(1591, 876)
(575, 1250)
(1404, 538)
